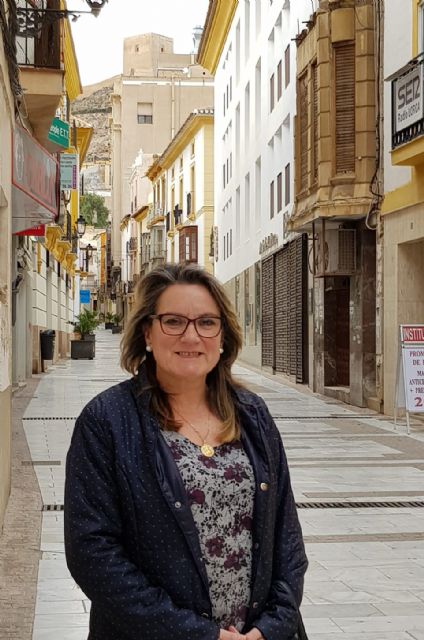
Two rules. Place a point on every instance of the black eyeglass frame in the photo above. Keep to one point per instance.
(189, 321)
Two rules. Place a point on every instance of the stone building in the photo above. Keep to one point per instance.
(335, 202)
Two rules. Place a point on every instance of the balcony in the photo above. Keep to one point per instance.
(41, 75)
(156, 214)
(408, 113)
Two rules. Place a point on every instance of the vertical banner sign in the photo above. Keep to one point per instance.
(68, 171)
(410, 379)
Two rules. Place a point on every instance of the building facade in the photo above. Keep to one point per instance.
(335, 169)
(250, 48)
(181, 217)
(151, 101)
(7, 110)
(403, 206)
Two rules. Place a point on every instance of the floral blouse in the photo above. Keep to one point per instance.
(220, 490)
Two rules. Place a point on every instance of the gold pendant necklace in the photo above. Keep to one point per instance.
(207, 449)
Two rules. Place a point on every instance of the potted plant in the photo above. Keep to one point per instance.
(86, 323)
(117, 327)
(109, 320)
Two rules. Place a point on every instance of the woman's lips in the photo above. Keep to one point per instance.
(188, 354)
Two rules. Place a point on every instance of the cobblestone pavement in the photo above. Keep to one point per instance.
(357, 481)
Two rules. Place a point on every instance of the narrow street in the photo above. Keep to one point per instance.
(355, 481)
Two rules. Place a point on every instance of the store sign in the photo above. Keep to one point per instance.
(85, 296)
(59, 133)
(68, 171)
(38, 231)
(410, 371)
(408, 98)
(34, 182)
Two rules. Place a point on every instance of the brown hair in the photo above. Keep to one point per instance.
(219, 381)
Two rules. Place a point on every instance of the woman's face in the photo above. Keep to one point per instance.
(187, 357)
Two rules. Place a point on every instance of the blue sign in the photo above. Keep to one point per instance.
(85, 296)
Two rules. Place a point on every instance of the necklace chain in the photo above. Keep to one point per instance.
(206, 448)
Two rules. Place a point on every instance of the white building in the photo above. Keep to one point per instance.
(403, 205)
(249, 45)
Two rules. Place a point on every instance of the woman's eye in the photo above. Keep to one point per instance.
(173, 322)
(207, 322)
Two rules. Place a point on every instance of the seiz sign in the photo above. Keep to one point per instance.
(408, 102)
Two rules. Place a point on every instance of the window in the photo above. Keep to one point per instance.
(287, 66)
(247, 205)
(271, 200)
(271, 93)
(279, 192)
(247, 115)
(188, 244)
(258, 192)
(287, 184)
(302, 109)
(314, 73)
(144, 113)
(223, 176)
(345, 107)
(258, 81)
(280, 80)
(246, 29)
(144, 119)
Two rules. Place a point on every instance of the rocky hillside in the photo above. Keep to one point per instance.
(94, 106)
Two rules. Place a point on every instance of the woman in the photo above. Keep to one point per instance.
(179, 516)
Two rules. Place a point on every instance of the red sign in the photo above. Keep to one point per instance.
(40, 230)
(412, 333)
(35, 183)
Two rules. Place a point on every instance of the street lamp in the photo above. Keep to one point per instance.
(81, 224)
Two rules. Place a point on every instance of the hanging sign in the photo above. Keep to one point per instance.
(59, 133)
(410, 378)
(68, 171)
(85, 296)
(34, 183)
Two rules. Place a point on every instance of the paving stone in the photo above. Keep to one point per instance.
(366, 574)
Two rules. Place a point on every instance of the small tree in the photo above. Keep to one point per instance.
(94, 210)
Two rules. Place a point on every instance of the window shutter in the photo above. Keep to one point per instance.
(345, 107)
(315, 122)
(303, 131)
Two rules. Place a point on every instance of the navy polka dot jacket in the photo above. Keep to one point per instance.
(130, 539)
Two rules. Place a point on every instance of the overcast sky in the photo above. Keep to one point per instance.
(98, 41)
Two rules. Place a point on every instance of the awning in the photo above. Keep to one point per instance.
(34, 183)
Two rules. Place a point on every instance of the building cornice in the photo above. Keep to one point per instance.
(218, 22)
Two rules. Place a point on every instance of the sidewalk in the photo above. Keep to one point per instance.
(355, 480)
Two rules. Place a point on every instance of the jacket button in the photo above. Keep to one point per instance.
(177, 504)
(255, 605)
(256, 545)
(264, 486)
(205, 615)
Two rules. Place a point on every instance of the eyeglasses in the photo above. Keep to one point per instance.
(175, 325)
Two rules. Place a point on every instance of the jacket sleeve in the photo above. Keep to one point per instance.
(95, 555)
(279, 620)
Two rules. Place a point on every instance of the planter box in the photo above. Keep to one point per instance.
(109, 325)
(83, 349)
(116, 329)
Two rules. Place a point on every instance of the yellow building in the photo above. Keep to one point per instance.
(180, 219)
(44, 218)
(403, 206)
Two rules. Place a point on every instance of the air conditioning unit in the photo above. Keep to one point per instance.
(338, 256)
